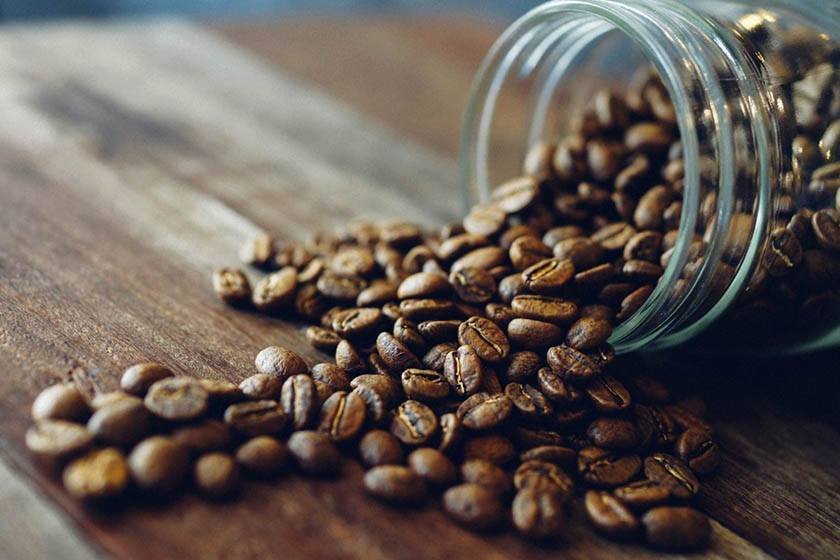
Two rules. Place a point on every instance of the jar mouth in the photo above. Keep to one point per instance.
(663, 320)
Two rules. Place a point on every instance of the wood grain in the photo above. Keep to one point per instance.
(131, 169)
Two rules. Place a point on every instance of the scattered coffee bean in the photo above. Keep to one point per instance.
(256, 418)
(177, 398)
(314, 452)
(676, 528)
(342, 415)
(216, 474)
(209, 435)
(610, 516)
(538, 514)
(123, 422)
(698, 450)
(261, 386)
(232, 286)
(299, 399)
(60, 402)
(673, 473)
(483, 411)
(137, 379)
(158, 464)
(379, 447)
(263, 456)
(432, 466)
(396, 484)
(56, 440)
(280, 362)
(97, 475)
(414, 423)
(474, 506)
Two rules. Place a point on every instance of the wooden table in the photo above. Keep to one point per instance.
(136, 158)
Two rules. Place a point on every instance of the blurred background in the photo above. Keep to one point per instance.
(11, 10)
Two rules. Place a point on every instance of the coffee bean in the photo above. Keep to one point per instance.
(209, 435)
(547, 277)
(263, 456)
(357, 322)
(613, 433)
(216, 474)
(256, 418)
(299, 399)
(530, 437)
(137, 379)
(654, 421)
(353, 261)
(582, 251)
(158, 464)
(400, 234)
(641, 271)
(483, 411)
(827, 229)
(673, 473)
(463, 370)
(484, 220)
(528, 402)
(96, 475)
(614, 237)
(450, 432)
(60, 402)
(104, 399)
(342, 415)
(631, 180)
(538, 514)
(572, 364)
(587, 333)
(521, 365)
(603, 158)
(544, 477)
(610, 516)
(783, 252)
(554, 387)
(495, 448)
(427, 309)
(608, 394)
(544, 308)
(538, 161)
(424, 285)
(231, 286)
(598, 311)
(414, 423)
(645, 245)
(342, 288)
(527, 251)
(687, 420)
(311, 271)
(56, 440)
(409, 335)
(221, 391)
(177, 398)
(378, 447)
(459, 245)
(379, 292)
(280, 362)
(563, 457)
(439, 331)
(348, 359)
(424, 384)
(314, 452)
(258, 251)
(261, 386)
(676, 528)
(533, 334)
(485, 337)
(396, 484)
(473, 506)
(275, 291)
(643, 494)
(473, 285)
(515, 195)
(698, 450)
(394, 353)
(602, 468)
(432, 466)
(123, 422)
(331, 374)
(310, 303)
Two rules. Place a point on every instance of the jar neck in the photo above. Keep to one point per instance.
(730, 143)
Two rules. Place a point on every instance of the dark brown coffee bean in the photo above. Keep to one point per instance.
(414, 423)
(314, 452)
(263, 456)
(158, 464)
(572, 364)
(613, 433)
(499, 314)
(827, 229)
(608, 394)
(521, 365)
(595, 276)
(676, 528)
(555, 235)
(783, 252)
(342, 288)
(137, 379)
(686, 419)
(299, 399)
(614, 292)
(544, 308)
(527, 251)
(533, 334)
(409, 335)
(487, 474)
(96, 475)
(528, 401)
(653, 423)
(258, 251)
(515, 195)
(231, 286)
(209, 435)
(556, 388)
(483, 411)
(548, 277)
(495, 448)
(633, 302)
(123, 422)
(603, 158)
(643, 494)
(261, 386)
(60, 402)
(55, 440)
(378, 447)
(582, 251)
(473, 285)
(352, 261)
(280, 362)
(474, 506)
(673, 473)
(614, 236)
(563, 457)
(388, 388)
(424, 384)
(439, 331)
(331, 374)
(490, 383)
(310, 303)
(400, 234)
(427, 309)
(348, 359)
(529, 437)
(216, 475)
(435, 358)
(484, 220)
(424, 285)
(394, 353)
(485, 337)
(602, 468)
(177, 398)
(587, 333)
(598, 311)
(275, 291)
(538, 514)
(357, 322)
(432, 466)
(610, 516)
(342, 415)
(631, 180)
(396, 484)
(544, 477)
(645, 245)
(256, 418)
(379, 292)
(511, 286)
(641, 271)
(698, 450)
(460, 245)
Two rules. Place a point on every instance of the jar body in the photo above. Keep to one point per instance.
(750, 92)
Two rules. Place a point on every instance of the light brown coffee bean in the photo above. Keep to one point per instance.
(96, 475)
(424, 384)
(614, 237)
(528, 402)
(104, 399)
(588, 332)
(473, 506)
(485, 337)
(137, 379)
(548, 277)
(280, 362)
(275, 291)
(473, 285)
(484, 220)
(378, 447)
(357, 322)
(427, 309)
(261, 386)
(544, 308)
(342, 415)
(645, 245)
(515, 195)
(538, 514)
(533, 334)
(256, 418)
(231, 286)
(56, 440)
(258, 251)
(643, 494)
(177, 398)
(414, 423)
(263, 456)
(582, 251)
(299, 399)
(341, 288)
(483, 411)
(158, 464)
(424, 285)
(544, 477)
(395, 354)
(331, 374)
(676, 528)
(216, 475)
(60, 402)
(610, 516)
(495, 448)
(396, 484)
(348, 359)
(123, 422)
(315, 453)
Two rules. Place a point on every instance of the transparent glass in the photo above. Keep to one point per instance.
(755, 160)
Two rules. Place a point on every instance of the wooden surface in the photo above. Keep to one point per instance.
(134, 159)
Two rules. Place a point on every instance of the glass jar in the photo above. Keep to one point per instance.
(754, 90)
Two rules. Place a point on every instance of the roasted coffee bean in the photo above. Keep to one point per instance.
(608, 394)
(123, 422)
(544, 477)
(379, 292)
(474, 506)
(158, 464)
(209, 435)
(353, 261)
(533, 334)
(698, 450)
(511, 286)
(275, 291)
(687, 420)
(487, 474)
(261, 386)
(648, 389)
(439, 331)
(484, 220)
(827, 229)
(490, 383)
(263, 456)
(563, 457)
(614, 237)
(485, 337)
(231, 286)
(548, 277)
(293, 254)
(572, 364)
(396, 484)
(641, 271)
(60, 402)
(177, 398)
(409, 335)
(521, 365)
(595, 276)
(427, 309)
(587, 333)
(216, 475)
(460, 245)
(314, 452)
(528, 401)
(633, 302)
(342, 288)
(676, 528)
(394, 353)
(582, 251)
(529, 437)
(653, 421)
(435, 358)
(104, 399)
(256, 418)
(603, 158)
(137, 379)
(783, 252)
(610, 516)
(378, 447)
(473, 285)
(280, 362)
(554, 387)
(495, 448)
(643, 494)
(258, 251)
(299, 399)
(631, 180)
(310, 303)
(499, 314)
(673, 473)
(311, 271)
(357, 322)
(400, 234)
(538, 514)
(598, 311)
(414, 423)
(544, 308)
(483, 411)
(527, 251)
(485, 258)
(602, 468)
(645, 245)
(385, 386)
(56, 440)
(96, 475)
(515, 195)
(342, 415)
(348, 359)
(432, 466)
(331, 374)
(424, 384)
(538, 162)
(424, 285)
(613, 433)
